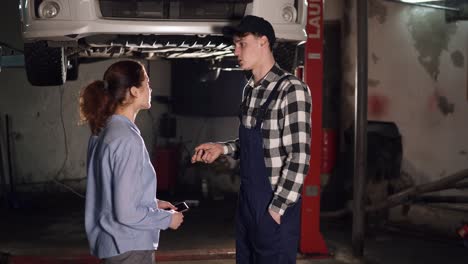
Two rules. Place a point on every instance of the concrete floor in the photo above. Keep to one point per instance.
(50, 230)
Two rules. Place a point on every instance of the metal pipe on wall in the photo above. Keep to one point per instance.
(412, 194)
(360, 131)
(3, 166)
(9, 152)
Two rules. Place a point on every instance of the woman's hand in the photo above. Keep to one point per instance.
(165, 205)
(176, 221)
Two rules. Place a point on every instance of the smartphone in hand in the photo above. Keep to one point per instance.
(181, 207)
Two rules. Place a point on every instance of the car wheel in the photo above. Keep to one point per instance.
(45, 66)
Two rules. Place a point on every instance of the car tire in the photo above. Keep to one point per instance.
(45, 66)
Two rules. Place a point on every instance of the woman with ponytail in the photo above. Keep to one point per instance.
(123, 217)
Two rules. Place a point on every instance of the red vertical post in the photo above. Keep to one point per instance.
(312, 241)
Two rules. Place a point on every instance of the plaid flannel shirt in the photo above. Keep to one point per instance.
(286, 131)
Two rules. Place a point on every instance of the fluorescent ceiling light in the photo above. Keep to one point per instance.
(437, 4)
(419, 1)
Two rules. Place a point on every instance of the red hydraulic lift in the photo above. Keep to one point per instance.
(312, 241)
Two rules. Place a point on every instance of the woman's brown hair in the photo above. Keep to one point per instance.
(99, 100)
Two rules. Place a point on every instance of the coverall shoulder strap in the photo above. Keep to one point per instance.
(274, 93)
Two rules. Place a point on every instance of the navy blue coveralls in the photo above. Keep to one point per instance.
(259, 239)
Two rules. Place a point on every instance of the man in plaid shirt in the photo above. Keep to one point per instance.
(273, 147)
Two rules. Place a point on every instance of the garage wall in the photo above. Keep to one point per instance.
(417, 79)
(49, 141)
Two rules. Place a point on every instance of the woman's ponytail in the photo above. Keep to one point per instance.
(96, 105)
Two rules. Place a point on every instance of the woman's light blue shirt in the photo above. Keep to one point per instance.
(121, 207)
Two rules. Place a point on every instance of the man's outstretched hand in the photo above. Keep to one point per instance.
(207, 152)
